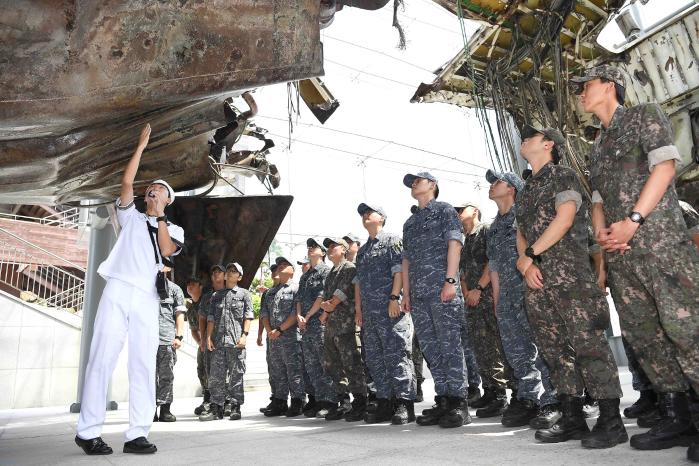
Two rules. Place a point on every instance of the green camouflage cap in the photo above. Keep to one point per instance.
(609, 72)
(551, 133)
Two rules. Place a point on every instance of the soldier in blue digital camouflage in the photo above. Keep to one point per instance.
(342, 357)
(481, 325)
(567, 310)
(171, 326)
(229, 319)
(508, 292)
(652, 262)
(387, 330)
(286, 359)
(308, 311)
(432, 239)
(260, 330)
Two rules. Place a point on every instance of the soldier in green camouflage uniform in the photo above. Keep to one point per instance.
(636, 211)
(567, 311)
(195, 289)
(343, 360)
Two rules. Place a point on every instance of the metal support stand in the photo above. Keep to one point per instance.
(101, 242)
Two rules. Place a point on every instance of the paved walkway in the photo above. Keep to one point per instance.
(45, 436)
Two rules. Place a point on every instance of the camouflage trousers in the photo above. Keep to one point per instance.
(226, 376)
(164, 374)
(269, 366)
(483, 334)
(568, 324)
(530, 371)
(286, 361)
(342, 360)
(388, 345)
(658, 307)
(313, 344)
(201, 369)
(438, 326)
(472, 370)
(639, 379)
(370, 385)
(418, 360)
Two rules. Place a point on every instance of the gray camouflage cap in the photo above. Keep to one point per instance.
(510, 178)
(609, 72)
(363, 207)
(409, 178)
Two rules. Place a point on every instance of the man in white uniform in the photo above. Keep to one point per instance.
(129, 309)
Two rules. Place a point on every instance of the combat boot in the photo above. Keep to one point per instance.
(648, 401)
(337, 412)
(609, 429)
(269, 406)
(278, 408)
(547, 416)
(428, 411)
(649, 418)
(474, 394)
(296, 408)
(235, 412)
(457, 415)
(674, 429)
(419, 397)
(227, 408)
(204, 404)
(324, 408)
(358, 408)
(496, 407)
(487, 397)
(570, 426)
(382, 412)
(693, 450)
(214, 413)
(310, 406)
(435, 414)
(165, 414)
(519, 413)
(404, 413)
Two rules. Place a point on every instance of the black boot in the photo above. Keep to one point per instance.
(474, 394)
(227, 408)
(488, 396)
(674, 429)
(269, 406)
(693, 450)
(382, 412)
(235, 412)
(496, 406)
(358, 408)
(571, 425)
(310, 406)
(404, 413)
(214, 413)
(337, 412)
(296, 408)
(165, 414)
(457, 415)
(648, 401)
(547, 416)
(436, 413)
(519, 413)
(278, 408)
(204, 404)
(649, 418)
(324, 408)
(419, 397)
(428, 411)
(609, 429)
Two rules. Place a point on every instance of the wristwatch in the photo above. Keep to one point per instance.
(179, 337)
(162, 219)
(637, 218)
(450, 280)
(394, 297)
(479, 287)
(529, 252)
(279, 329)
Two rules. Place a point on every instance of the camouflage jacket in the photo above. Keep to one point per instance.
(426, 236)
(566, 262)
(192, 314)
(169, 308)
(228, 309)
(311, 288)
(621, 160)
(501, 242)
(339, 283)
(377, 260)
(279, 305)
(474, 256)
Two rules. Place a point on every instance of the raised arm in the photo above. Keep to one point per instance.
(132, 167)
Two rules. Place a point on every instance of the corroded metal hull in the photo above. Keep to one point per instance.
(78, 78)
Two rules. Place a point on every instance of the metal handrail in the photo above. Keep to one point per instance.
(66, 219)
(35, 246)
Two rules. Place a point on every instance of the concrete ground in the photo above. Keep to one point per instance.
(45, 436)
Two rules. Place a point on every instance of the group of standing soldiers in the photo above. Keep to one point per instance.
(517, 304)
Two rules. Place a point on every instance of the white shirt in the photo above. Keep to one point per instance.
(132, 260)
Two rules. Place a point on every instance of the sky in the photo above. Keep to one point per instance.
(376, 135)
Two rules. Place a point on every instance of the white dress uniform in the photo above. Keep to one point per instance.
(128, 308)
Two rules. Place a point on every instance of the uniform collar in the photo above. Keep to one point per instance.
(616, 118)
(318, 266)
(379, 235)
(544, 170)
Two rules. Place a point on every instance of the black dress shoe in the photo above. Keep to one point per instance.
(94, 446)
(139, 445)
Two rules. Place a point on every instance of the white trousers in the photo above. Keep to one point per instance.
(124, 311)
